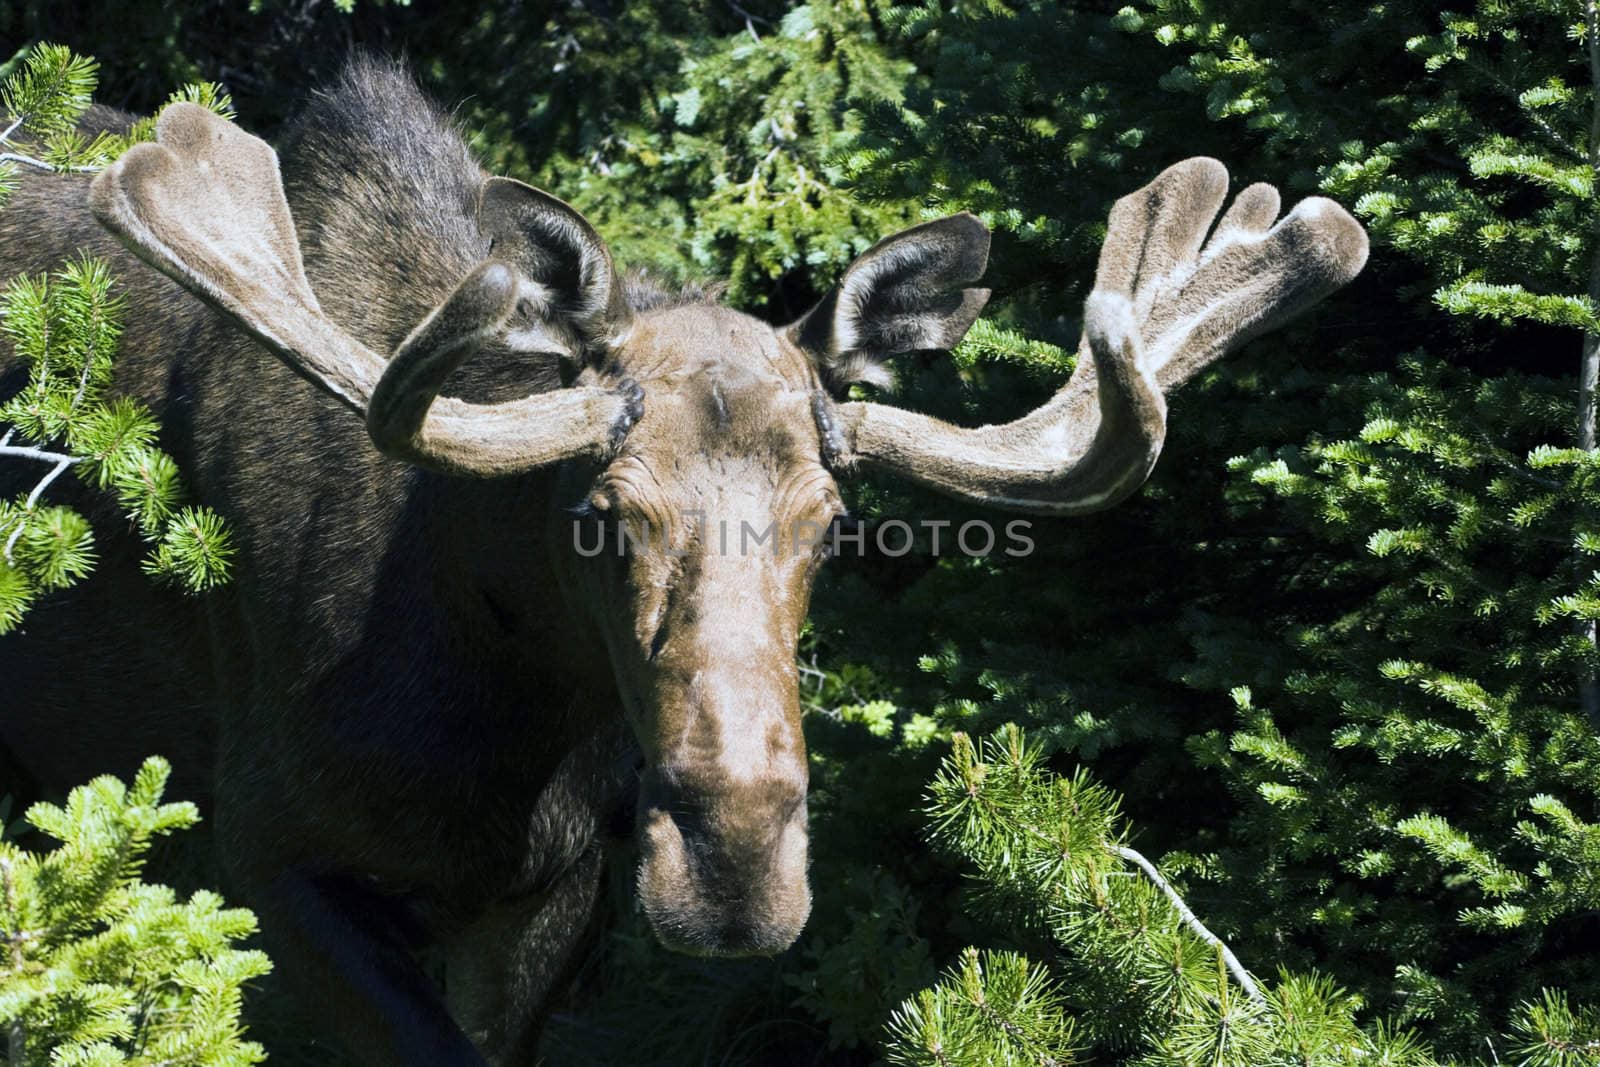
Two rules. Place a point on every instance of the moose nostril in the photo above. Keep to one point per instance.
(689, 821)
(691, 827)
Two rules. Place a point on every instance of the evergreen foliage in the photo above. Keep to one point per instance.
(1416, 817)
(100, 968)
(42, 101)
(1132, 976)
(65, 327)
(699, 135)
(712, 157)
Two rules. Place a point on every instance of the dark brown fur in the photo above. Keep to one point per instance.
(368, 712)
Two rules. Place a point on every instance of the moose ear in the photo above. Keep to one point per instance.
(571, 298)
(905, 294)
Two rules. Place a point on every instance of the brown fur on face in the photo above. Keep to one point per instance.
(724, 498)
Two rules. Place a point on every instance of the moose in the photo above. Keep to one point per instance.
(417, 709)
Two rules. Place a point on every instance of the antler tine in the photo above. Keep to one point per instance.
(1166, 303)
(207, 210)
(1251, 278)
(1156, 232)
(204, 205)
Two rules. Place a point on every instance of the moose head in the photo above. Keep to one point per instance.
(685, 422)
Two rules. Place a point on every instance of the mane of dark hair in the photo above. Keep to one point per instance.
(645, 292)
(384, 195)
(380, 179)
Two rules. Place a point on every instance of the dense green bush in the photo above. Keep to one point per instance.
(1372, 527)
(1133, 975)
(99, 968)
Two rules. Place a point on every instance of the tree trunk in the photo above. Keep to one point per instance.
(1589, 372)
(1589, 686)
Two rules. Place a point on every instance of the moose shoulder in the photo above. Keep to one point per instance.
(414, 706)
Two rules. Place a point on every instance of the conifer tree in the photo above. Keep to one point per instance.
(709, 151)
(65, 327)
(99, 968)
(1509, 260)
(1132, 975)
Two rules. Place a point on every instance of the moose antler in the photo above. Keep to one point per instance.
(204, 205)
(1162, 309)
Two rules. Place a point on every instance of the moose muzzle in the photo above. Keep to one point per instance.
(722, 868)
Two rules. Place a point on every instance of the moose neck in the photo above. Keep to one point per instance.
(507, 622)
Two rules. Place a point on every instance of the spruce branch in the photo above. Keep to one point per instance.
(1552, 135)
(113, 969)
(66, 327)
(1145, 973)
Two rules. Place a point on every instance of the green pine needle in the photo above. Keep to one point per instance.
(51, 92)
(146, 483)
(196, 551)
(56, 547)
(1550, 1033)
(16, 593)
(103, 968)
(66, 327)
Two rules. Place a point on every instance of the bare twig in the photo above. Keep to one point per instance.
(18, 157)
(28, 452)
(1187, 914)
(44, 483)
(750, 20)
(1193, 921)
(62, 463)
(748, 16)
(812, 674)
(83, 379)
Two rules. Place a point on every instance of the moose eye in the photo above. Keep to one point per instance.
(841, 524)
(596, 531)
(584, 511)
(844, 525)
